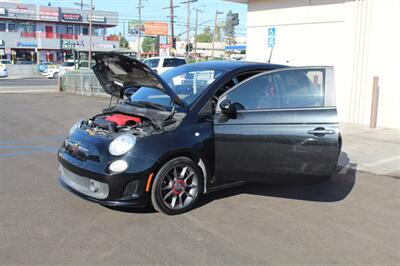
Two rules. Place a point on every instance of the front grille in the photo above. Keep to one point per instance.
(84, 185)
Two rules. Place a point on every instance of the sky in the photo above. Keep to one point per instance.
(153, 11)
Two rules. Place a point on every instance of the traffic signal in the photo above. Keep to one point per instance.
(189, 47)
(235, 19)
(174, 43)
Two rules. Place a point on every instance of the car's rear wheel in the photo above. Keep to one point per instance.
(177, 186)
(55, 75)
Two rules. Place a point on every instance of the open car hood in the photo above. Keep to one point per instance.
(117, 72)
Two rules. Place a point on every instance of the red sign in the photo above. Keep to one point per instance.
(164, 46)
(48, 13)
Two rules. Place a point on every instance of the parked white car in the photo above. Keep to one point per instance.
(51, 73)
(162, 64)
(3, 70)
(68, 65)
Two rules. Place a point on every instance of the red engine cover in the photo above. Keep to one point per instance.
(122, 120)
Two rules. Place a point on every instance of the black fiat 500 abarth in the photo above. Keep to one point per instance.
(199, 128)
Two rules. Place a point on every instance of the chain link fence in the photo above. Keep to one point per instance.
(81, 82)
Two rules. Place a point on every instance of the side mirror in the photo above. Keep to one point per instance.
(129, 92)
(228, 109)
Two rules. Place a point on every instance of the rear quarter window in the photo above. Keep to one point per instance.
(173, 62)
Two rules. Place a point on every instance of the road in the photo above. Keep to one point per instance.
(27, 85)
(352, 219)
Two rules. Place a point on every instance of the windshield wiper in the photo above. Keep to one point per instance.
(144, 104)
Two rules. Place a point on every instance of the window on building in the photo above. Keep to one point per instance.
(85, 31)
(77, 29)
(62, 29)
(11, 26)
(2, 26)
(70, 29)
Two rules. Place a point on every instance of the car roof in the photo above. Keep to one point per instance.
(229, 65)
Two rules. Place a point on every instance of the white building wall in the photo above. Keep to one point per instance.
(352, 35)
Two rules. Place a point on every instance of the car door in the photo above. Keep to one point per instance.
(286, 125)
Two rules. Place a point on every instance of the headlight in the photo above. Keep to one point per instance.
(118, 166)
(74, 127)
(122, 144)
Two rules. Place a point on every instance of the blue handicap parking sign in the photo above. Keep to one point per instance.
(271, 37)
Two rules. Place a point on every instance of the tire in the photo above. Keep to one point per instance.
(173, 181)
(55, 75)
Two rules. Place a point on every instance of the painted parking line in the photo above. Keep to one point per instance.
(29, 140)
(24, 150)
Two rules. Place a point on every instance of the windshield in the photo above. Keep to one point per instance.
(188, 82)
(68, 64)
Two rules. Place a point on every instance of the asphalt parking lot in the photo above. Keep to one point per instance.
(352, 219)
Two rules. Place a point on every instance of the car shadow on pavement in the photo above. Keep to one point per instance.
(333, 189)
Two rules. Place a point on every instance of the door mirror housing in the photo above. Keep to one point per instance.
(129, 92)
(228, 109)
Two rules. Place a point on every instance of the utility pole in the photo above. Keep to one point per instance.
(171, 16)
(195, 33)
(90, 32)
(188, 2)
(215, 32)
(139, 26)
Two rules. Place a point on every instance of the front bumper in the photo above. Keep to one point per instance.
(111, 190)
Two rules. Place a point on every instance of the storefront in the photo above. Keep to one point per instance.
(46, 33)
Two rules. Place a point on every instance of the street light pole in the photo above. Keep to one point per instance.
(215, 32)
(90, 33)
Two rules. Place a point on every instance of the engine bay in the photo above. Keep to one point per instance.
(106, 124)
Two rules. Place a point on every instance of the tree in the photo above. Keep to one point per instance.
(229, 29)
(148, 44)
(123, 42)
(206, 36)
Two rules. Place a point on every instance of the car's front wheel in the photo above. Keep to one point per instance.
(177, 186)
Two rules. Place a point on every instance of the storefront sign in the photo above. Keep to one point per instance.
(97, 19)
(26, 44)
(71, 17)
(49, 13)
(2, 11)
(21, 11)
(72, 44)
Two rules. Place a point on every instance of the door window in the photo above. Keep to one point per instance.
(293, 88)
(301, 88)
(152, 63)
(260, 92)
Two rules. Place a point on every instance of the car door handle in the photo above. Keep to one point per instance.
(321, 131)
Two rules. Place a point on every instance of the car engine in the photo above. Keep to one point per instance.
(104, 125)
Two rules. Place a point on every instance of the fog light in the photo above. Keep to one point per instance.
(131, 189)
(93, 186)
(118, 166)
